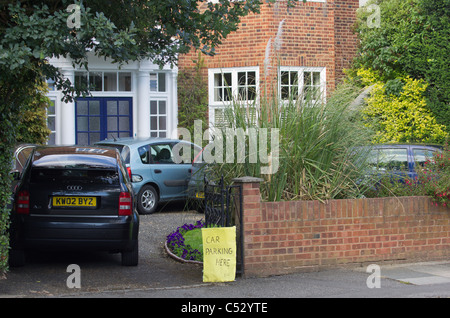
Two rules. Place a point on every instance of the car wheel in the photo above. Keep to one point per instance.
(131, 258)
(147, 200)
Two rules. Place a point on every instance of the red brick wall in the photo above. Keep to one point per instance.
(345, 39)
(284, 237)
(315, 34)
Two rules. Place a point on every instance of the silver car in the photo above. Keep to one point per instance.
(159, 168)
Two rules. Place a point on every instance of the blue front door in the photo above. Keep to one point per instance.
(99, 118)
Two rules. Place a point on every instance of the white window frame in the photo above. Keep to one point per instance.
(53, 116)
(87, 75)
(234, 88)
(157, 131)
(156, 83)
(300, 75)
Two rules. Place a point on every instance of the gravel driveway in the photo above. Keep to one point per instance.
(46, 274)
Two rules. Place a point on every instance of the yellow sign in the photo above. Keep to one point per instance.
(219, 254)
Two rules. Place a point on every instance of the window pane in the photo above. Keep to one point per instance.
(111, 107)
(82, 107)
(242, 93)
(94, 123)
(227, 79)
(284, 78)
(294, 78)
(124, 123)
(124, 107)
(51, 139)
(251, 93)
(162, 123)
(217, 94)
(112, 124)
(316, 78)
(83, 138)
(51, 123)
(94, 138)
(251, 80)
(110, 81)
(161, 82)
(217, 80)
(242, 78)
(82, 123)
(163, 154)
(307, 78)
(422, 155)
(153, 82)
(51, 108)
(153, 123)
(125, 81)
(94, 107)
(226, 94)
(162, 107)
(81, 80)
(153, 107)
(95, 81)
(144, 154)
(285, 92)
(393, 159)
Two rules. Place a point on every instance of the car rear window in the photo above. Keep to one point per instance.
(123, 150)
(82, 168)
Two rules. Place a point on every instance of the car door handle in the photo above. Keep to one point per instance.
(190, 170)
(157, 171)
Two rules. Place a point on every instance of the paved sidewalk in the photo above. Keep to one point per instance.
(416, 280)
(426, 273)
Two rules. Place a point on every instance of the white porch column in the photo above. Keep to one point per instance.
(67, 118)
(143, 104)
(172, 111)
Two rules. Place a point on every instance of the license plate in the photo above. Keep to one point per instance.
(74, 201)
(200, 195)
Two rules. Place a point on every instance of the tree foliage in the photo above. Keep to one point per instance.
(412, 40)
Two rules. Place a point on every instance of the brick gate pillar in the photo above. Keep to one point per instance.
(251, 215)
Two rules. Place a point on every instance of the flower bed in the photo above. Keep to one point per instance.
(183, 246)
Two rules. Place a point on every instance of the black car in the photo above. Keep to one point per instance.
(74, 198)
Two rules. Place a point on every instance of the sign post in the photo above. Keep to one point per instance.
(219, 254)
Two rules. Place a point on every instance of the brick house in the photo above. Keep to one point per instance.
(304, 47)
(314, 44)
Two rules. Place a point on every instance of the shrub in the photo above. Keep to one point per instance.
(315, 160)
(434, 177)
(399, 113)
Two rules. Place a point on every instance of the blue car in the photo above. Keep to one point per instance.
(159, 168)
(401, 159)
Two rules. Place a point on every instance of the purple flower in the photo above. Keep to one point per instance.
(175, 241)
